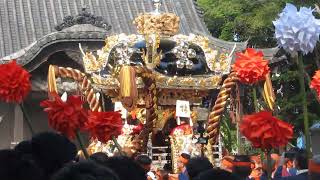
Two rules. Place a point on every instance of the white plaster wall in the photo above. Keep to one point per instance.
(6, 125)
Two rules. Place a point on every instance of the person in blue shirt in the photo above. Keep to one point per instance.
(300, 163)
(182, 162)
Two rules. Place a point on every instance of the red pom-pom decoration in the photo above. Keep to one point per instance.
(15, 82)
(65, 117)
(315, 83)
(250, 66)
(266, 131)
(104, 125)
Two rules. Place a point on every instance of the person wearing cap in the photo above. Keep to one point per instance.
(242, 166)
(314, 168)
(227, 163)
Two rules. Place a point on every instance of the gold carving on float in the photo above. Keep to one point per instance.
(210, 54)
(152, 57)
(166, 24)
(163, 81)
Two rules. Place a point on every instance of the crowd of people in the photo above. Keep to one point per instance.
(50, 156)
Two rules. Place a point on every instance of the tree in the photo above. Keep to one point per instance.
(242, 20)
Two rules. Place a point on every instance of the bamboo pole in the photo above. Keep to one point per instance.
(299, 61)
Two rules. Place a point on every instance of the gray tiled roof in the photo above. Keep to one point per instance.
(23, 22)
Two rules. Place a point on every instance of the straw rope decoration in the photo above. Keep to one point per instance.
(83, 81)
(151, 105)
(214, 117)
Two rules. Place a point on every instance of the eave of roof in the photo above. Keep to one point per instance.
(28, 26)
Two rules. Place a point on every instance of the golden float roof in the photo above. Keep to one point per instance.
(154, 46)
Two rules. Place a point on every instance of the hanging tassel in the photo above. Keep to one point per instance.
(268, 93)
(52, 84)
(128, 87)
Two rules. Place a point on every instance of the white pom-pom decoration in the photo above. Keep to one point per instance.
(297, 30)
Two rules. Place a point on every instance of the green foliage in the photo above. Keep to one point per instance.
(229, 134)
(245, 19)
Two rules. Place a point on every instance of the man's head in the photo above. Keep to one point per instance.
(126, 168)
(301, 160)
(314, 168)
(289, 163)
(85, 170)
(197, 165)
(15, 166)
(216, 174)
(24, 147)
(242, 166)
(145, 162)
(52, 151)
(183, 160)
(99, 157)
(162, 175)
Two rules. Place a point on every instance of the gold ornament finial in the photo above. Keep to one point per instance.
(152, 57)
(166, 24)
(89, 61)
(157, 5)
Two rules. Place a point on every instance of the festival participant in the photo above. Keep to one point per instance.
(162, 175)
(99, 157)
(83, 171)
(300, 163)
(145, 162)
(256, 167)
(126, 168)
(24, 147)
(264, 175)
(314, 168)
(197, 165)
(242, 166)
(288, 169)
(227, 163)
(15, 166)
(51, 151)
(217, 174)
(182, 162)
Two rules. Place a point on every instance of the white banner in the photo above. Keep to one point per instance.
(183, 109)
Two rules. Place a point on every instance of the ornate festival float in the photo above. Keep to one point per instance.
(162, 82)
(159, 92)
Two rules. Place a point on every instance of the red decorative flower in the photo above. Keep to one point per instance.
(104, 125)
(266, 131)
(137, 129)
(65, 117)
(315, 83)
(250, 66)
(14, 82)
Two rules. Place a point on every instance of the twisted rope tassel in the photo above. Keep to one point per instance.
(151, 115)
(82, 80)
(151, 106)
(219, 106)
